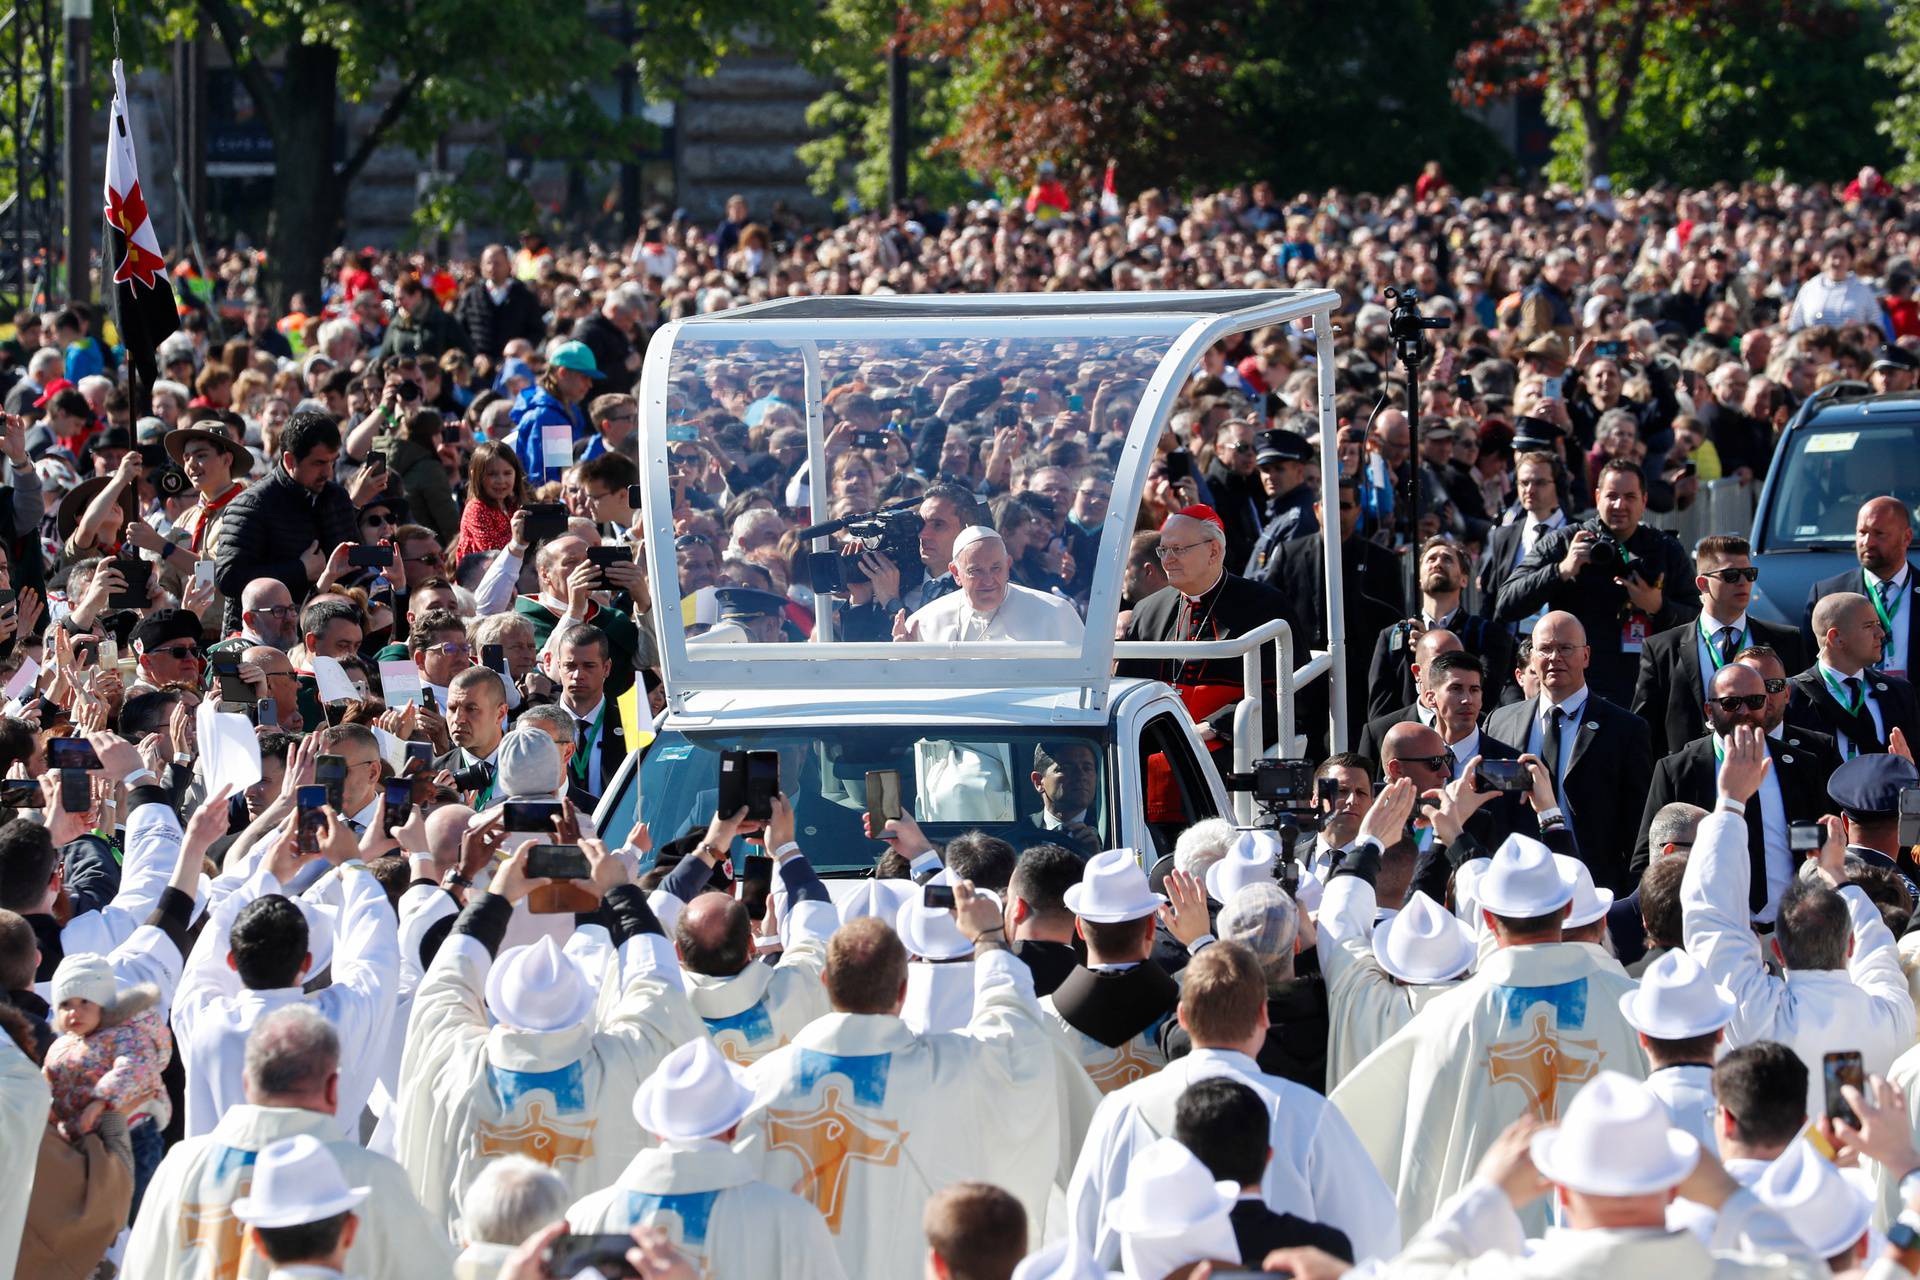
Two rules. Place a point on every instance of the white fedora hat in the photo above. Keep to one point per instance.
(1522, 881)
(1061, 1260)
(1248, 860)
(1170, 1193)
(1422, 943)
(694, 1093)
(296, 1181)
(1813, 1198)
(1590, 902)
(1113, 889)
(1615, 1140)
(931, 932)
(877, 897)
(1677, 1000)
(538, 987)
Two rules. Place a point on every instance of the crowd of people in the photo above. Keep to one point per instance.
(1591, 956)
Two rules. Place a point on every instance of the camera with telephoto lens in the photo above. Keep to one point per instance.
(1606, 553)
(472, 778)
(892, 531)
(1407, 327)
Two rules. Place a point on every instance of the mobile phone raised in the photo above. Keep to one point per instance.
(557, 862)
(883, 798)
(531, 815)
(71, 753)
(1504, 775)
(311, 824)
(1842, 1068)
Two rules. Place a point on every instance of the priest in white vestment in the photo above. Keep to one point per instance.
(548, 1075)
(699, 1190)
(989, 605)
(866, 1119)
(24, 1100)
(187, 1229)
(1680, 1012)
(1318, 1171)
(1538, 1019)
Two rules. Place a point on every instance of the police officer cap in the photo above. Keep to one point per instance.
(1894, 357)
(1869, 786)
(747, 602)
(1281, 445)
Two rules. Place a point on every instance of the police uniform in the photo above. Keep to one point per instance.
(1868, 787)
(1291, 514)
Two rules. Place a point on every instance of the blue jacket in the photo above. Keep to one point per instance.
(539, 412)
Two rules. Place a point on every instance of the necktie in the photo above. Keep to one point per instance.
(1550, 745)
(1726, 645)
(1540, 529)
(1856, 698)
(581, 734)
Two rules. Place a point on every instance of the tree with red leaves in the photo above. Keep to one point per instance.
(1587, 55)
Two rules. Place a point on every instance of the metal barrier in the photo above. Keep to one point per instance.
(1725, 505)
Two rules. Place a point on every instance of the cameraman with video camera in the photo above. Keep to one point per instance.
(945, 509)
(1625, 581)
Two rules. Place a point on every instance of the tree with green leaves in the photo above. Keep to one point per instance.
(528, 65)
(1898, 111)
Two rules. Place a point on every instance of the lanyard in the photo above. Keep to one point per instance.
(1852, 707)
(582, 766)
(1880, 606)
(1739, 643)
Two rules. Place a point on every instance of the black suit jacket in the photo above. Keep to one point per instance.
(1370, 591)
(1607, 774)
(1854, 580)
(1258, 1231)
(1390, 680)
(1376, 728)
(1802, 761)
(1670, 688)
(1236, 606)
(1503, 546)
(1899, 709)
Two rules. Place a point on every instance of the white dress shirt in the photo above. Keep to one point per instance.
(1464, 750)
(1706, 630)
(1897, 659)
(1531, 527)
(1773, 830)
(594, 716)
(1836, 685)
(1575, 706)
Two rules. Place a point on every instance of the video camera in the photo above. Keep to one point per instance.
(1289, 801)
(1407, 327)
(893, 531)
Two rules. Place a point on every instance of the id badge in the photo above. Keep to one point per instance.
(1633, 632)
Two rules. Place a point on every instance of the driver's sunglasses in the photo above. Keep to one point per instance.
(1730, 576)
(1738, 701)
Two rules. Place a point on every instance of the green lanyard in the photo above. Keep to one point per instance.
(1853, 707)
(1887, 613)
(582, 766)
(1740, 642)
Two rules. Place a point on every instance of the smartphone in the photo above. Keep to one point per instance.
(364, 556)
(1551, 387)
(1179, 465)
(311, 823)
(76, 796)
(557, 862)
(634, 494)
(109, 654)
(749, 779)
(449, 435)
(266, 713)
(1805, 837)
(1504, 775)
(601, 557)
(545, 521)
(1463, 387)
(1077, 403)
(226, 666)
(1839, 1069)
(1688, 468)
(1007, 417)
(419, 758)
(71, 753)
(494, 658)
(883, 798)
(531, 815)
(569, 1255)
(331, 773)
(939, 897)
(428, 700)
(869, 439)
(1610, 350)
(398, 801)
(683, 434)
(20, 793)
(138, 576)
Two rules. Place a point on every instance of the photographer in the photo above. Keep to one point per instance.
(1625, 581)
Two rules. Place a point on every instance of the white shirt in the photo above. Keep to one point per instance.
(1464, 750)
(1530, 535)
(1024, 614)
(1835, 681)
(1822, 301)
(1896, 660)
(1773, 829)
(1053, 823)
(1574, 707)
(1707, 655)
(594, 716)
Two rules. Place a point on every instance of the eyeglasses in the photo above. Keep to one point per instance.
(275, 610)
(1738, 701)
(1776, 684)
(1437, 763)
(452, 648)
(1166, 552)
(427, 559)
(1730, 576)
(178, 652)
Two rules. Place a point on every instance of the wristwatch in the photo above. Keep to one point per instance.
(1903, 1243)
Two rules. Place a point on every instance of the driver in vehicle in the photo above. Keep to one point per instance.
(1067, 775)
(989, 605)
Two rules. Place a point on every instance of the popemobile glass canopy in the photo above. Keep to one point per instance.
(888, 394)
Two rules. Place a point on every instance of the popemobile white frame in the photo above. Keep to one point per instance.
(1191, 320)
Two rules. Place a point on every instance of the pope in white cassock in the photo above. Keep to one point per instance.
(1538, 1019)
(989, 605)
(548, 1076)
(699, 1190)
(866, 1119)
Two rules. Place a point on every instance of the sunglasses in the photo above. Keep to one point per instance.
(379, 521)
(1439, 762)
(178, 652)
(1730, 576)
(1739, 701)
(1776, 684)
